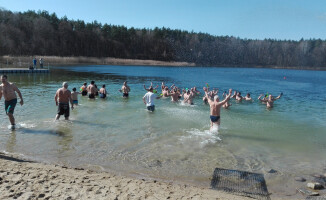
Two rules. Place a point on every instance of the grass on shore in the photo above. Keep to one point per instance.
(26, 61)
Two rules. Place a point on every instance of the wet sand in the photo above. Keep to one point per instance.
(20, 179)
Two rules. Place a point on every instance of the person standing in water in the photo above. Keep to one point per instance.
(83, 89)
(103, 92)
(62, 98)
(175, 94)
(74, 96)
(91, 90)
(188, 96)
(148, 99)
(215, 108)
(270, 100)
(125, 89)
(247, 97)
(9, 90)
(227, 104)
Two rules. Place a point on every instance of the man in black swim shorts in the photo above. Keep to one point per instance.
(125, 89)
(62, 98)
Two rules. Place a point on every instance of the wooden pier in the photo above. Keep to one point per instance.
(22, 70)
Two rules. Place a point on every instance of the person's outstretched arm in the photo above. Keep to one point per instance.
(279, 96)
(227, 97)
(259, 98)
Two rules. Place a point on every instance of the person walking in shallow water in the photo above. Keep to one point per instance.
(103, 92)
(62, 98)
(9, 90)
(215, 108)
(148, 99)
(91, 90)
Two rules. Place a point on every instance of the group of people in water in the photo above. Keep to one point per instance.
(64, 96)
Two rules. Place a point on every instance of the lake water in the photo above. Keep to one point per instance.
(174, 142)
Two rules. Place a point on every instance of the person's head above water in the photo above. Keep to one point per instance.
(216, 98)
(92, 82)
(270, 97)
(85, 83)
(125, 83)
(248, 94)
(65, 85)
(74, 89)
(103, 86)
(150, 89)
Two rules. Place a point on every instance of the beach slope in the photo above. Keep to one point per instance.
(21, 179)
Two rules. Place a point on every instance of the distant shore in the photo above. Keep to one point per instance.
(23, 179)
(26, 61)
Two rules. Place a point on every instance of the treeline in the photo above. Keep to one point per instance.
(40, 33)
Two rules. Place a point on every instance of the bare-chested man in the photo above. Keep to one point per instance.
(247, 97)
(227, 103)
(62, 98)
(215, 108)
(103, 92)
(166, 92)
(8, 90)
(270, 100)
(238, 97)
(188, 97)
(175, 95)
(91, 90)
(125, 89)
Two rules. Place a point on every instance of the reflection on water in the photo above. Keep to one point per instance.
(174, 142)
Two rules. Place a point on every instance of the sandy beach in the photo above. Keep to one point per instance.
(20, 179)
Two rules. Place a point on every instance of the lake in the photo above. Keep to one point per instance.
(174, 142)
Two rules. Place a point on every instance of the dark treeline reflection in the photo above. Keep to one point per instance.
(41, 33)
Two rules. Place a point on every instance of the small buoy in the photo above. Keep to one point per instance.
(284, 77)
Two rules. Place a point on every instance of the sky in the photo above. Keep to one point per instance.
(251, 19)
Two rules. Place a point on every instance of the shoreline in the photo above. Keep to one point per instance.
(25, 179)
(26, 61)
